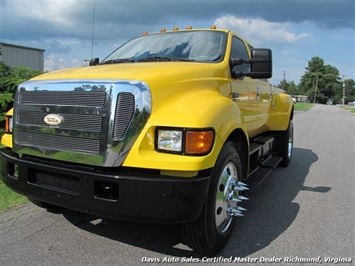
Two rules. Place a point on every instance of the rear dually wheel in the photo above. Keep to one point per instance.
(284, 144)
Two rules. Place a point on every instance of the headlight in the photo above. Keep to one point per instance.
(170, 140)
(184, 141)
(9, 124)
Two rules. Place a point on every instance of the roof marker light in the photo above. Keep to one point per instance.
(213, 27)
(163, 30)
(145, 33)
(175, 28)
(189, 27)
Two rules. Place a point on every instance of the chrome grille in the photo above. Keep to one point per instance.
(63, 143)
(76, 98)
(124, 113)
(71, 121)
(99, 119)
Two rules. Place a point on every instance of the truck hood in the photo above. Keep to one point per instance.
(154, 74)
(174, 86)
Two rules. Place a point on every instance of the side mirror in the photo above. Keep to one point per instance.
(260, 64)
(95, 61)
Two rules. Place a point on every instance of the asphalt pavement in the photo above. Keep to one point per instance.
(301, 214)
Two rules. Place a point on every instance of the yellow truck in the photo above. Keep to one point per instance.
(172, 127)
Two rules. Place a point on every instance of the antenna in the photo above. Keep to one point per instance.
(93, 31)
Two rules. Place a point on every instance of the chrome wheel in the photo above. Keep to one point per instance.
(284, 144)
(290, 141)
(227, 197)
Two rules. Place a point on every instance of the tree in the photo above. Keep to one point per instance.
(349, 91)
(320, 82)
(18, 75)
(6, 96)
(5, 71)
(10, 78)
(289, 87)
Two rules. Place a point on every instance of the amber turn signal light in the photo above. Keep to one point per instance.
(199, 142)
(8, 124)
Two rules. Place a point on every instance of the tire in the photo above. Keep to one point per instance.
(284, 144)
(49, 207)
(211, 231)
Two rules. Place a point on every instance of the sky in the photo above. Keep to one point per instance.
(72, 31)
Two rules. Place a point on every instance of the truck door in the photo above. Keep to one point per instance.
(245, 89)
(263, 97)
(264, 101)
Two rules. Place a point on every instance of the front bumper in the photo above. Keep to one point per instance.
(111, 193)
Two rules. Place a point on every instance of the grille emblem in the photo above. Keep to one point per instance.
(53, 119)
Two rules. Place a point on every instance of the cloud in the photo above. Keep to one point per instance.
(122, 18)
(52, 62)
(261, 32)
(64, 27)
(56, 47)
(326, 14)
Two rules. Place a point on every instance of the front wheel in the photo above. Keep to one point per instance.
(211, 231)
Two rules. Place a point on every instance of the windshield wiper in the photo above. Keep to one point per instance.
(118, 61)
(163, 58)
(147, 59)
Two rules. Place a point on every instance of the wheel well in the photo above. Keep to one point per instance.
(239, 138)
(291, 117)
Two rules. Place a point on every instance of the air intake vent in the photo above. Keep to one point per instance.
(76, 98)
(125, 108)
(81, 122)
(63, 143)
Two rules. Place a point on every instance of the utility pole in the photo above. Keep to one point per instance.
(315, 90)
(343, 89)
(284, 80)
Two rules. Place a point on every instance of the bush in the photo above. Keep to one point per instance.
(10, 78)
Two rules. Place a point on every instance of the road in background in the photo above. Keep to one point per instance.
(302, 212)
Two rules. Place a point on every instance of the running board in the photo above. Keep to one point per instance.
(260, 173)
(272, 161)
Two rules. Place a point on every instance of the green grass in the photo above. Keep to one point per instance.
(351, 109)
(9, 199)
(303, 106)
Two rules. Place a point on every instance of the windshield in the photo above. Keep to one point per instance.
(199, 46)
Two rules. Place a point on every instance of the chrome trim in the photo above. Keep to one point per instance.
(228, 197)
(95, 102)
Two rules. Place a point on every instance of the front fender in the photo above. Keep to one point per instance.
(209, 110)
(6, 139)
(281, 112)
